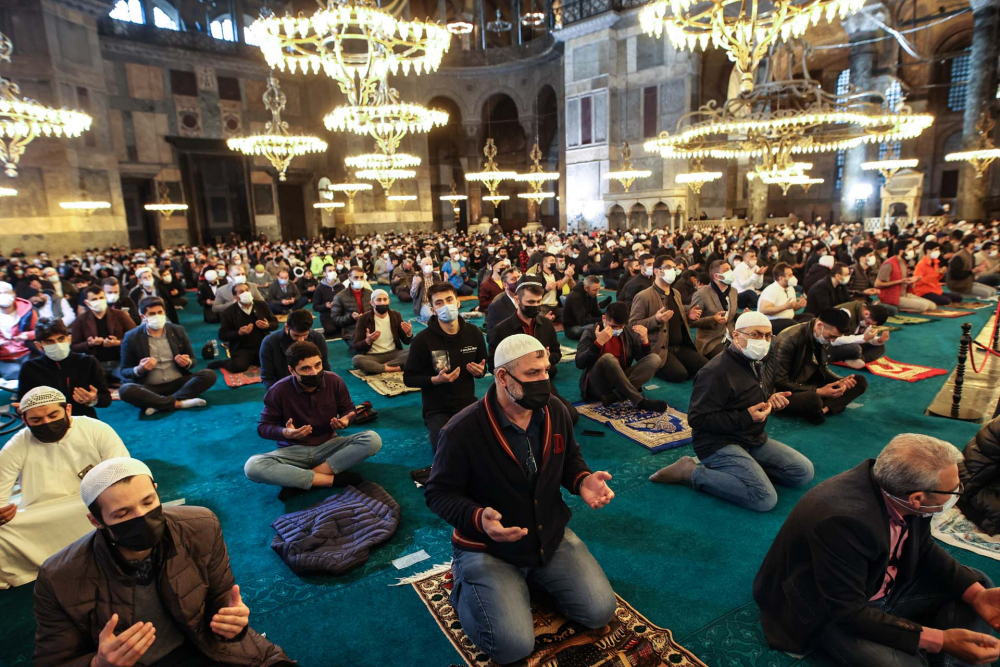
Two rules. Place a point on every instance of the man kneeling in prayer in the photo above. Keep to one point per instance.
(49, 456)
(150, 586)
(504, 459)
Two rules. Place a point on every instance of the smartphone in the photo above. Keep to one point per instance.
(596, 434)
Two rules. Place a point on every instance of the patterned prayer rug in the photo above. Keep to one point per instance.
(471, 297)
(386, 384)
(630, 640)
(249, 376)
(899, 370)
(952, 527)
(655, 431)
(906, 320)
(973, 305)
(568, 354)
(941, 312)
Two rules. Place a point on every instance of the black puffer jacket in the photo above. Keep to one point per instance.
(980, 473)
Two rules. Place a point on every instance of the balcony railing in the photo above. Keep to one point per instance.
(151, 35)
(578, 10)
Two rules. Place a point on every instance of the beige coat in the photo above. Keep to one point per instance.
(644, 307)
(711, 335)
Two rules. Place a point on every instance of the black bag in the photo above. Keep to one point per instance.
(207, 351)
(364, 413)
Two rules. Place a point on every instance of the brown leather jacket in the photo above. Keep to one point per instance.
(79, 589)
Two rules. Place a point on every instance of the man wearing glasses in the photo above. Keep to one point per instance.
(855, 574)
(730, 402)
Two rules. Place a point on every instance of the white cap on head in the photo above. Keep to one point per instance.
(379, 292)
(515, 347)
(109, 472)
(141, 270)
(38, 396)
(752, 318)
(6, 287)
(827, 261)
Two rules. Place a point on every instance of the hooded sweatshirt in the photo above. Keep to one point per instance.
(468, 345)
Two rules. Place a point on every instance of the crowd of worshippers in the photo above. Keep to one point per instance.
(752, 316)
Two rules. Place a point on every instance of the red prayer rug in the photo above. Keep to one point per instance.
(249, 376)
(973, 305)
(630, 640)
(941, 312)
(898, 370)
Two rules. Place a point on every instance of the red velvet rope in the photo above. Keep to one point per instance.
(989, 350)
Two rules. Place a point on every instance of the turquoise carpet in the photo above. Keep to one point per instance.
(685, 560)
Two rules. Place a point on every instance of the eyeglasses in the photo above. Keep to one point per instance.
(753, 335)
(960, 491)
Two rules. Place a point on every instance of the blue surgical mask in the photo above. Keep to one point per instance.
(447, 313)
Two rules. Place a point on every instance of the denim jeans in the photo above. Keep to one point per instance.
(10, 370)
(922, 601)
(744, 476)
(293, 466)
(493, 604)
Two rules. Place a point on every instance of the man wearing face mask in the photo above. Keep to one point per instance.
(17, 328)
(151, 286)
(497, 477)
(582, 308)
(829, 291)
(99, 331)
(748, 279)
(558, 284)
(273, 351)
(855, 574)
(383, 268)
(659, 309)
(504, 305)
(151, 585)
(929, 273)
(427, 277)
(224, 296)
(778, 301)
(283, 296)
(48, 456)
(863, 342)
(208, 286)
(350, 304)
(863, 273)
(326, 291)
(156, 365)
(244, 325)
(303, 413)
(402, 279)
(730, 403)
(642, 280)
(118, 301)
(963, 271)
(799, 364)
(716, 305)
(79, 376)
(445, 360)
(894, 282)
(380, 336)
(492, 283)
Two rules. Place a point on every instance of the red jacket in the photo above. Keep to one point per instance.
(26, 317)
(890, 295)
(488, 291)
(85, 327)
(928, 277)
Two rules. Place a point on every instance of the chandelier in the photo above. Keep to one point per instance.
(785, 175)
(746, 29)
(535, 177)
(697, 178)
(454, 197)
(499, 25)
(459, 27)
(329, 205)
(627, 174)
(402, 198)
(491, 176)
(354, 42)
(165, 207)
(985, 151)
(382, 161)
(533, 19)
(889, 167)
(22, 120)
(8, 192)
(276, 144)
(88, 207)
(385, 177)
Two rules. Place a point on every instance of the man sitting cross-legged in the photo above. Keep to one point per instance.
(48, 456)
(379, 337)
(283, 296)
(730, 403)
(156, 364)
(150, 586)
(298, 327)
(498, 474)
(303, 412)
(606, 354)
(244, 325)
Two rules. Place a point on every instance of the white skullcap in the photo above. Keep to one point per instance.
(451, 250)
(379, 292)
(6, 287)
(40, 395)
(827, 261)
(515, 347)
(211, 275)
(141, 270)
(109, 472)
(930, 237)
(752, 318)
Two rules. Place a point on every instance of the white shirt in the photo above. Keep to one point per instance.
(384, 343)
(777, 295)
(745, 278)
(7, 323)
(50, 471)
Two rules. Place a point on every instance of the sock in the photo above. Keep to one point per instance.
(193, 403)
(347, 478)
(609, 399)
(150, 411)
(290, 492)
(653, 405)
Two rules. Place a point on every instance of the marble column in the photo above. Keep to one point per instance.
(860, 29)
(978, 92)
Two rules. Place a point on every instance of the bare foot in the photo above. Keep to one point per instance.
(826, 410)
(323, 469)
(678, 472)
(392, 369)
(856, 364)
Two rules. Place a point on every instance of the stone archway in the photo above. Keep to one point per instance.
(661, 216)
(638, 218)
(616, 218)
(446, 147)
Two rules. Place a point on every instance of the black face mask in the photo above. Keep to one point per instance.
(534, 395)
(50, 432)
(512, 287)
(138, 534)
(531, 312)
(382, 309)
(310, 381)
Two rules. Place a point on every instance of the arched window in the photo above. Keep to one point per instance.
(249, 37)
(893, 100)
(843, 88)
(959, 78)
(129, 11)
(223, 28)
(165, 16)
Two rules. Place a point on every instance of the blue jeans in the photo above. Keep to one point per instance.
(10, 370)
(293, 466)
(744, 476)
(493, 605)
(922, 601)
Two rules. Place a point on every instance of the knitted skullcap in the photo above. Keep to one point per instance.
(752, 318)
(109, 472)
(40, 395)
(515, 347)
(141, 270)
(379, 292)
(827, 261)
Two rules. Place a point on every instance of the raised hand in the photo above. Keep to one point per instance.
(595, 491)
(760, 411)
(147, 364)
(445, 377)
(230, 621)
(292, 433)
(406, 327)
(7, 514)
(95, 341)
(832, 390)
(125, 649)
(779, 400)
(182, 360)
(721, 317)
(642, 332)
(261, 324)
(372, 336)
(84, 396)
(111, 341)
(477, 370)
(694, 313)
(245, 330)
(496, 531)
(970, 647)
(551, 316)
(603, 335)
(663, 315)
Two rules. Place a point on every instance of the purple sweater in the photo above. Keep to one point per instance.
(286, 399)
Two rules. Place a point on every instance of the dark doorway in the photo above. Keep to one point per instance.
(291, 211)
(219, 186)
(142, 224)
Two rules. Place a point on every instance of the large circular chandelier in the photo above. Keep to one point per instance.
(627, 175)
(385, 177)
(745, 29)
(276, 143)
(697, 178)
(22, 120)
(982, 155)
(382, 161)
(491, 176)
(536, 177)
(354, 42)
(785, 176)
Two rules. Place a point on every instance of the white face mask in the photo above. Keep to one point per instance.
(943, 508)
(726, 277)
(6, 299)
(908, 254)
(156, 322)
(647, 271)
(56, 351)
(331, 276)
(428, 269)
(793, 281)
(356, 285)
(870, 260)
(756, 349)
(168, 279)
(112, 297)
(147, 283)
(447, 313)
(669, 275)
(752, 262)
(246, 298)
(97, 305)
(935, 254)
